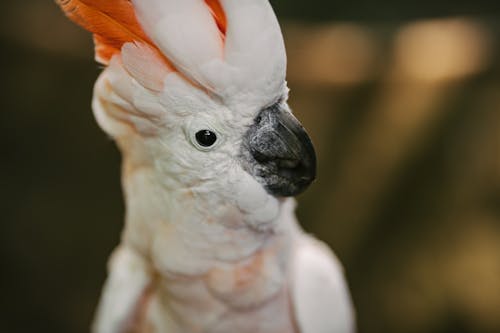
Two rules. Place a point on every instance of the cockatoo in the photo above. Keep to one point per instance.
(194, 94)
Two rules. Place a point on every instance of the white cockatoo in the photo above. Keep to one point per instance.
(194, 94)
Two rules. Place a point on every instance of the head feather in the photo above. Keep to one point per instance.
(232, 48)
(218, 14)
(113, 23)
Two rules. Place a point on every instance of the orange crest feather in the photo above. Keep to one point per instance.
(218, 14)
(113, 23)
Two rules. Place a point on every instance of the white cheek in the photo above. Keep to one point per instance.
(263, 217)
(250, 195)
(259, 208)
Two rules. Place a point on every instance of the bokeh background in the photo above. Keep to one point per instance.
(402, 99)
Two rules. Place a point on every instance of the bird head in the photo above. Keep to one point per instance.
(197, 89)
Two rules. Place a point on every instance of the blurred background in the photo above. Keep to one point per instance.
(402, 99)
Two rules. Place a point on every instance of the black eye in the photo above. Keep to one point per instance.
(206, 138)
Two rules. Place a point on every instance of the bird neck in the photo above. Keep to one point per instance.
(165, 223)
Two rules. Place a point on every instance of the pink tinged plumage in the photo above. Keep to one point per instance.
(185, 31)
(143, 64)
(205, 247)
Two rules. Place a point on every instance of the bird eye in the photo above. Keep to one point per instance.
(206, 138)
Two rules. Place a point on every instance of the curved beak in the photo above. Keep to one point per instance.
(279, 153)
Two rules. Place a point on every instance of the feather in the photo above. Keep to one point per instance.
(254, 54)
(319, 292)
(144, 65)
(186, 32)
(103, 51)
(113, 23)
(218, 14)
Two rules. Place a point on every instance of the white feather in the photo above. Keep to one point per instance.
(185, 32)
(119, 80)
(320, 295)
(144, 65)
(246, 70)
(255, 48)
(110, 116)
(118, 95)
(127, 281)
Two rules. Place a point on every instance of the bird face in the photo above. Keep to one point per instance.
(201, 142)
(272, 147)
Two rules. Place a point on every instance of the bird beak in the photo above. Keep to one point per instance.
(278, 152)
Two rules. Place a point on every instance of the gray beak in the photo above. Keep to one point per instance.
(278, 152)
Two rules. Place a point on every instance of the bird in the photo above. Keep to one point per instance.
(194, 94)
